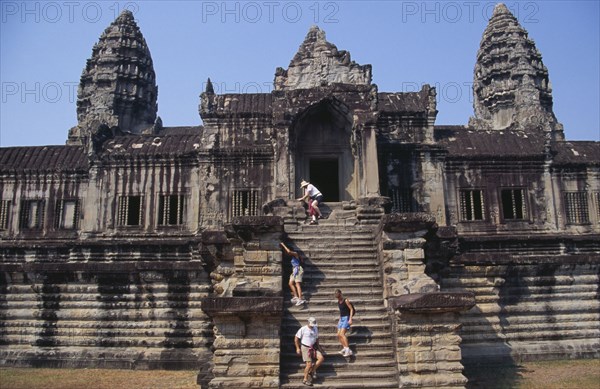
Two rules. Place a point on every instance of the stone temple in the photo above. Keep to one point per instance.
(142, 246)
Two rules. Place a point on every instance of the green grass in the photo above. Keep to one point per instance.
(564, 374)
(96, 379)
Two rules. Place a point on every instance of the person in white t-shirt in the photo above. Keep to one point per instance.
(307, 338)
(314, 198)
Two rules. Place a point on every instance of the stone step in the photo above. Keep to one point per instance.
(347, 277)
(367, 354)
(311, 233)
(347, 384)
(58, 303)
(350, 378)
(338, 363)
(334, 360)
(83, 314)
(330, 285)
(366, 305)
(357, 297)
(143, 358)
(331, 231)
(104, 289)
(107, 331)
(348, 256)
(344, 258)
(329, 238)
(87, 341)
(329, 322)
(331, 344)
(367, 261)
(94, 323)
(96, 297)
(324, 314)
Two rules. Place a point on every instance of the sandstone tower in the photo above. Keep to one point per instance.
(511, 85)
(118, 85)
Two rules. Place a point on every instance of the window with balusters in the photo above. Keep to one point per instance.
(170, 210)
(4, 214)
(32, 213)
(472, 205)
(67, 214)
(576, 207)
(514, 206)
(244, 203)
(130, 211)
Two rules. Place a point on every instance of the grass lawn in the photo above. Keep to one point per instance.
(570, 374)
(562, 374)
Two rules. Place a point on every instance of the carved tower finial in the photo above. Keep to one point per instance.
(118, 85)
(209, 87)
(207, 99)
(319, 63)
(511, 86)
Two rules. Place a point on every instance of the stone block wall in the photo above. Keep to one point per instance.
(108, 312)
(245, 305)
(247, 341)
(528, 307)
(429, 354)
(426, 322)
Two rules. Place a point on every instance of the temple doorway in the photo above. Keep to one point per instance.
(324, 174)
(323, 155)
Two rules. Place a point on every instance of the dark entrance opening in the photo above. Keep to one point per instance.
(324, 174)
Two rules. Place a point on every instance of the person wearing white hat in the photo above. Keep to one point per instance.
(307, 345)
(311, 192)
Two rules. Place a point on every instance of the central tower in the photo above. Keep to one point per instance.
(329, 96)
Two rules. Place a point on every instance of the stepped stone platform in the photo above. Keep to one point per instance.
(339, 252)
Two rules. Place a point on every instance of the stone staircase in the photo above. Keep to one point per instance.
(340, 253)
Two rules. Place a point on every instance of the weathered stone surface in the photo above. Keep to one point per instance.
(403, 222)
(109, 245)
(428, 348)
(319, 63)
(118, 85)
(433, 302)
(511, 84)
(243, 305)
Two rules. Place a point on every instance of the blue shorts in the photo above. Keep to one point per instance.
(343, 323)
(319, 199)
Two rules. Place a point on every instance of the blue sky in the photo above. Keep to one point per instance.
(44, 46)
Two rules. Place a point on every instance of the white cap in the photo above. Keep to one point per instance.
(312, 321)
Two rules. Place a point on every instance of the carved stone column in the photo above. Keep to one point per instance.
(426, 321)
(246, 305)
(427, 338)
(247, 341)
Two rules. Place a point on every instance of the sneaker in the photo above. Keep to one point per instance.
(300, 302)
(342, 351)
(313, 375)
(294, 300)
(313, 222)
(348, 353)
(307, 383)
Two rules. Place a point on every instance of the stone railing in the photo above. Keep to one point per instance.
(426, 321)
(246, 305)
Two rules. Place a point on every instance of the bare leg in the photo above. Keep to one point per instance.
(315, 206)
(320, 360)
(307, 370)
(293, 289)
(341, 334)
(299, 290)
